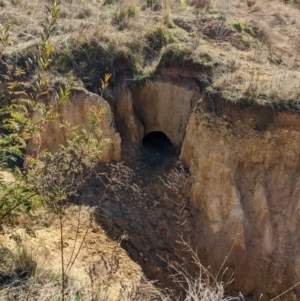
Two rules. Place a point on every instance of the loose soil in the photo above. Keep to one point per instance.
(145, 215)
(139, 205)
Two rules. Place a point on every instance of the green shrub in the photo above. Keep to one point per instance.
(19, 102)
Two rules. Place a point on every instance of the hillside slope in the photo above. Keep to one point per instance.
(221, 80)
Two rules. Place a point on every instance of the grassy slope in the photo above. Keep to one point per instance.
(251, 48)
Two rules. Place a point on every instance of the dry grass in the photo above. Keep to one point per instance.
(21, 278)
(201, 285)
(265, 84)
(29, 270)
(263, 35)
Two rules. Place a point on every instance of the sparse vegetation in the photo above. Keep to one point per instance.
(48, 178)
(118, 27)
(249, 51)
(21, 276)
(21, 101)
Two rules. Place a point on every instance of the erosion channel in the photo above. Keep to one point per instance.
(223, 177)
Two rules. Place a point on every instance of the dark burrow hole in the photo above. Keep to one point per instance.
(157, 141)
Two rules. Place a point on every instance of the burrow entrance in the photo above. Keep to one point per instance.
(145, 209)
(157, 141)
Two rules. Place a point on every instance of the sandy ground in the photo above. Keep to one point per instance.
(101, 261)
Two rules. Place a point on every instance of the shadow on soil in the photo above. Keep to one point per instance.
(143, 203)
(140, 202)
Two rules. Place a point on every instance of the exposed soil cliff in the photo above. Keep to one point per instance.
(241, 200)
(245, 177)
(162, 104)
(244, 163)
(75, 112)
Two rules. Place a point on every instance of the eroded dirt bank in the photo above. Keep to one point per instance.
(245, 167)
(236, 196)
(241, 199)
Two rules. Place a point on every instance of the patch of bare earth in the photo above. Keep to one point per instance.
(93, 261)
